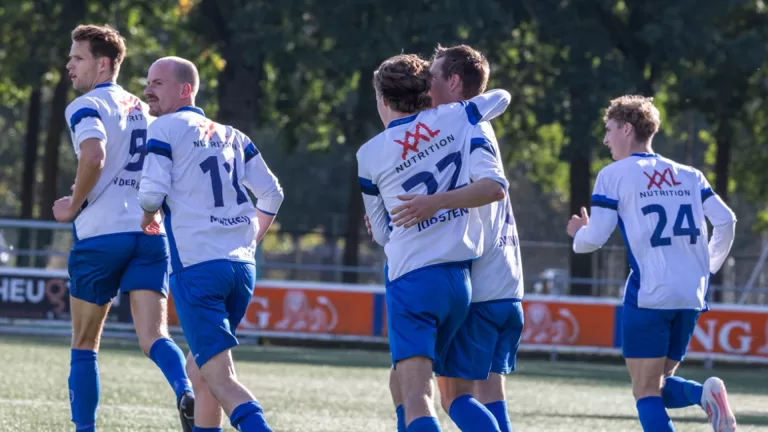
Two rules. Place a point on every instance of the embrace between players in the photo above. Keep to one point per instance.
(159, 203)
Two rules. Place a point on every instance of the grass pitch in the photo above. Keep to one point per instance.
(324, 390)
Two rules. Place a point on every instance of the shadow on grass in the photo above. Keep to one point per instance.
(746, 419)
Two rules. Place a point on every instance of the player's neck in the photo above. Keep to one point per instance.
(644, 147)
(185, 102)
(104, 80)
(395, 115)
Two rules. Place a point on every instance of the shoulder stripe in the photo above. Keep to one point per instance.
(604, 202)
(706, 193)
(473, 114)
(250, 152)
(481, 143)
(81, 114)
(368, 187)
(160, 148)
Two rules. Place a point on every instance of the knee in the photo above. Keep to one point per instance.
(195, 377)
(648, 389)
(85, 341)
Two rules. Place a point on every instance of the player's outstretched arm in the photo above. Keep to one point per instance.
(592, 232)
(723, 226)
(489, 184)
(263, 184)
(487, 106)
(417, 208)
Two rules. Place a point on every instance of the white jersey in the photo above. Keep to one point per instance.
(427, 152)
(120, 120)
(498, 273)
(202, 169)
(660, 207)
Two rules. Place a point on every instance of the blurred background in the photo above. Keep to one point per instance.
(296, 76)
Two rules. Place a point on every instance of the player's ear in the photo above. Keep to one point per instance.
(627, 128)
(186, 90)
(454, 82)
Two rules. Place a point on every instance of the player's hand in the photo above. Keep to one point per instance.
(368, 227)
(149, 224)
(577, 222)
(62, 209)
(417, 208)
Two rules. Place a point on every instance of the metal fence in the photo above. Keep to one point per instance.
(310, 256)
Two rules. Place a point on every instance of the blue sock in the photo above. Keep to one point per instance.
(249, 417)
(84, 389)
(400, 410)
(653, 416)
(679, 393)
(471, 415)
(499, 411)
(202, 429)
(169, 358)
(424, 424)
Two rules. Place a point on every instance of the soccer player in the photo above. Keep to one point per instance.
(660, 207)
(109, 129)
(428, 289)
(197, 171)
(487, 342)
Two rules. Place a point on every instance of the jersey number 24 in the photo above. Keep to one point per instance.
(684, 215)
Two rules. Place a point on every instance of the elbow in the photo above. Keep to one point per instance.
(93, 161)
(499, 193)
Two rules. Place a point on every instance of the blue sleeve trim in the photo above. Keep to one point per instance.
(604, 202)
(81, 114)
(265, 212)
(250, 152)
(473, 114)
(159, 148)
(481, 143)
(706, 193)
(368, 187)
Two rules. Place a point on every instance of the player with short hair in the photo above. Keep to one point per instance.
(111, 254)
(428, 288)
(197, 172)
(661, 207)
(491, 333)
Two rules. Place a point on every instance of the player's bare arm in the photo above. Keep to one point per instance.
(92, 155)
(576, 222)
(265, 221)
(418, 208)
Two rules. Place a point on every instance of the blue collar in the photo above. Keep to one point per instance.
(643, 154)
(402, 121)
(106, 84)
(193, 109)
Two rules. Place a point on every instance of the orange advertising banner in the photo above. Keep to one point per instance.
(563, 322)
(310, 308)
(739, 332)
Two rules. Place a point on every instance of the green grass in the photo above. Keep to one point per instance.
(322, 390)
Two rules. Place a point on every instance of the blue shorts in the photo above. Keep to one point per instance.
(425, 308)
(211, 298)
(655, 333)
(100, 266)
(487, 341)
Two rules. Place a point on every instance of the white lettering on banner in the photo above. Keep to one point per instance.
(262, 315)
(710, 338)
(18, 290)
(299, 315)
(541, 328)
(745, 341)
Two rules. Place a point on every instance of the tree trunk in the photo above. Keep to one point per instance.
(51, 161)
(724, 137)
(580, 150)
(239, 91)
(355, 133)
(30, 165)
